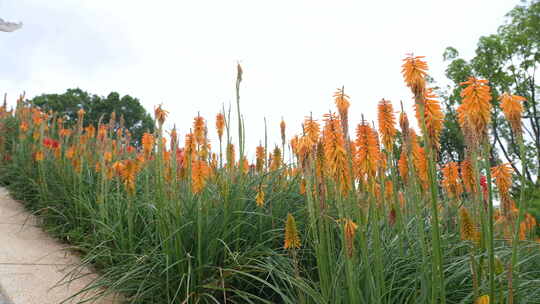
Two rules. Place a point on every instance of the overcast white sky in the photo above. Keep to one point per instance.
(183, 53)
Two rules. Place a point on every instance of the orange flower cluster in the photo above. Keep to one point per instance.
(474, 113)
(230, 155)
(502, 175)
(419, 159)
(220, 125)
(312, 131)
(451, 181)
(148, 144)
(349, 231)
(335, 152)
(199, 130)
(342, 103)
(433, 116)
(199, 175)
(368, 155)
(160, 114)
(512, 108)
(128, 170)
(387, 123)
(403, 165)
(190, 147)
(468, 177)
(414, 71)
(260, 156)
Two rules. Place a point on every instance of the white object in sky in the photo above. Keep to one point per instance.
(6, 26)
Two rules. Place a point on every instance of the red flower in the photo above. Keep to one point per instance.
(483, 184)
(50, 143)
(392, 217)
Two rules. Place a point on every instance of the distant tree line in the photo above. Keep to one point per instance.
(127, 109)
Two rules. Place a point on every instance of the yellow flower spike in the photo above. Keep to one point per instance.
(483, 300)
(466, 225)
(259, 199)
(39, 156)
(230, 155)
(276, 159)
(292, 239)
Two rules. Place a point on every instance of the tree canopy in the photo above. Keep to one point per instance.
(133, 115)
(509, 59)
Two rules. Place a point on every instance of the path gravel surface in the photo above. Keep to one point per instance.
(31, 262)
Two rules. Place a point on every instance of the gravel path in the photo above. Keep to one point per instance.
(31, 262)
(3, 298)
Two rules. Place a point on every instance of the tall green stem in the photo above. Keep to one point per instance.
(490, 241)
(432, 176)
(522, 209)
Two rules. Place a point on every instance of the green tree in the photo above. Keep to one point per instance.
(509, 59)
(134, 116)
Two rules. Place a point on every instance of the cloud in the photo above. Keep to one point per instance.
(60, 41)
